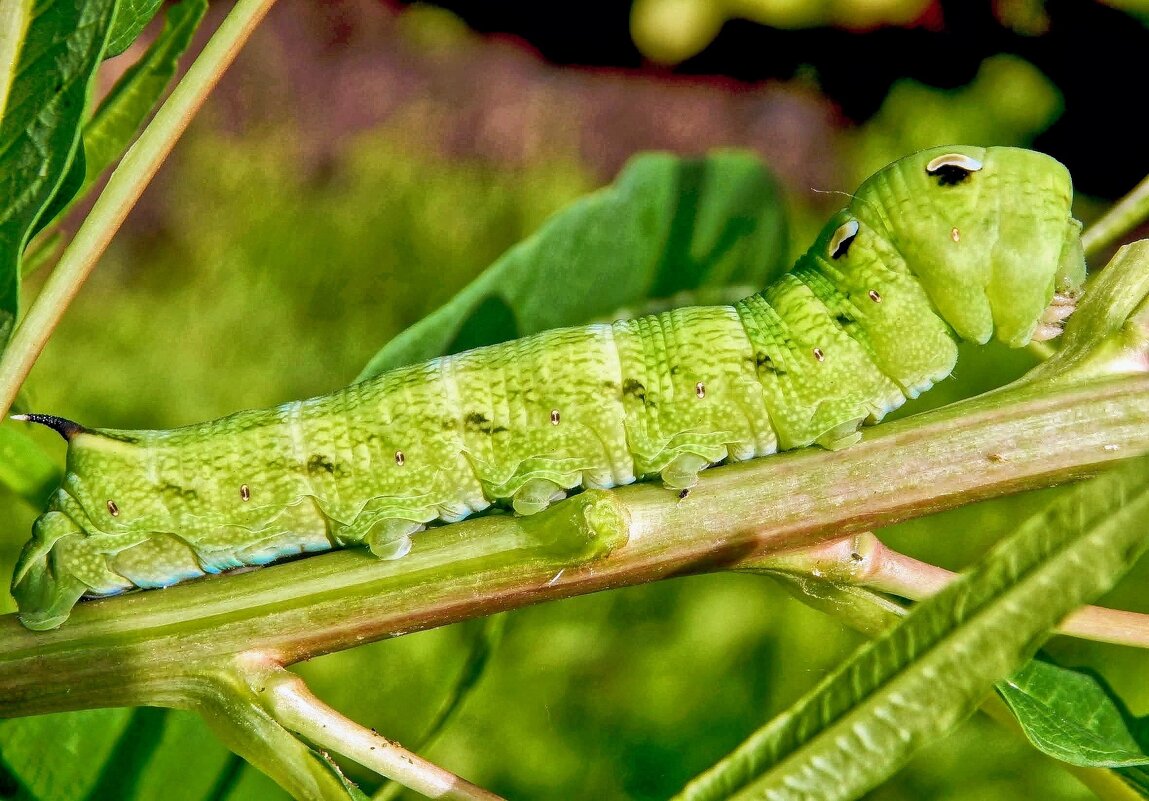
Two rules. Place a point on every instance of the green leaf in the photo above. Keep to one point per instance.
(114, 125)
(1072, 716)
(24, 467)
(350, 787)
(131, 18)
(485, 636)
(913, 684)
(666, 225)
(1137, 778)
(14, 18)
(58, 57)
(60, 757)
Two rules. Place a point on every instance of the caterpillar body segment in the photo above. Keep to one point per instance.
(946, 244)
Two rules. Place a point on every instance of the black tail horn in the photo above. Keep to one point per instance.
(62, 426)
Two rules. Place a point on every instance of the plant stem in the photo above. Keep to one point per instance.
(1130, 211)
(110, 651)
(865, 561)
(296, 708)
(124, 188)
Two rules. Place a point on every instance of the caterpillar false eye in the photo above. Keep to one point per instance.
(888, 305)
(952, 168)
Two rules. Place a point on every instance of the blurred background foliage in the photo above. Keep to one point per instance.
(363, 161)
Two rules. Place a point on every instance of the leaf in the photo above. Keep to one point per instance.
(1137, 778)
(919, 680)
(666, 225)
(14, 18)
(485, 637)
(114, 125)
(350, 787)
(39, 134)
(131, 18)
(25, 468)
(1072, 716)
(60, 757)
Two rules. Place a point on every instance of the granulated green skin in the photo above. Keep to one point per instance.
(836, 342)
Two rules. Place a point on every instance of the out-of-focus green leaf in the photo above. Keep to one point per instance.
(485, 636)
(916, 682)
(1071, 716)
(62, 46)
(1137, 778)
(116, 755)
(136, 93)
(24, 467)
(1009, 102)
(131, 18)
(60, 757)
(666, 225)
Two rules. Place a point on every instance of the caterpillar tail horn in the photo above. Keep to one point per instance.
(61, 425)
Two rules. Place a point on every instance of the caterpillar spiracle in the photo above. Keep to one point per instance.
(949, 244)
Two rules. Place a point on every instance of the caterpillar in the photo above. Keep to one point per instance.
(949, 244)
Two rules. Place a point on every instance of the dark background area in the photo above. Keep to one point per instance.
(1093, 53)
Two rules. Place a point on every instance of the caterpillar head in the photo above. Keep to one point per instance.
(74, 541)
(989, 233)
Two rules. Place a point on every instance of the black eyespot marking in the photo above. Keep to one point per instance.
(842, 239)
(952, 168)
(113, 509)
(244, 493)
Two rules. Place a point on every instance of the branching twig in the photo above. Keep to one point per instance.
(864, 560)
(290, 702)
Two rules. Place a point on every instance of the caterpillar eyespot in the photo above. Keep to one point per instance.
(952, 168)
(483, 438)
(842, 239)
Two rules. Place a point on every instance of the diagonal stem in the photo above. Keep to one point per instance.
(291, 702)
(863, 560)
(124, 188)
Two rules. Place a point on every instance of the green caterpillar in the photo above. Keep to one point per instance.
(948, 244)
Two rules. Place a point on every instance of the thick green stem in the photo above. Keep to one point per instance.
(124, 188)
(111, 651)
